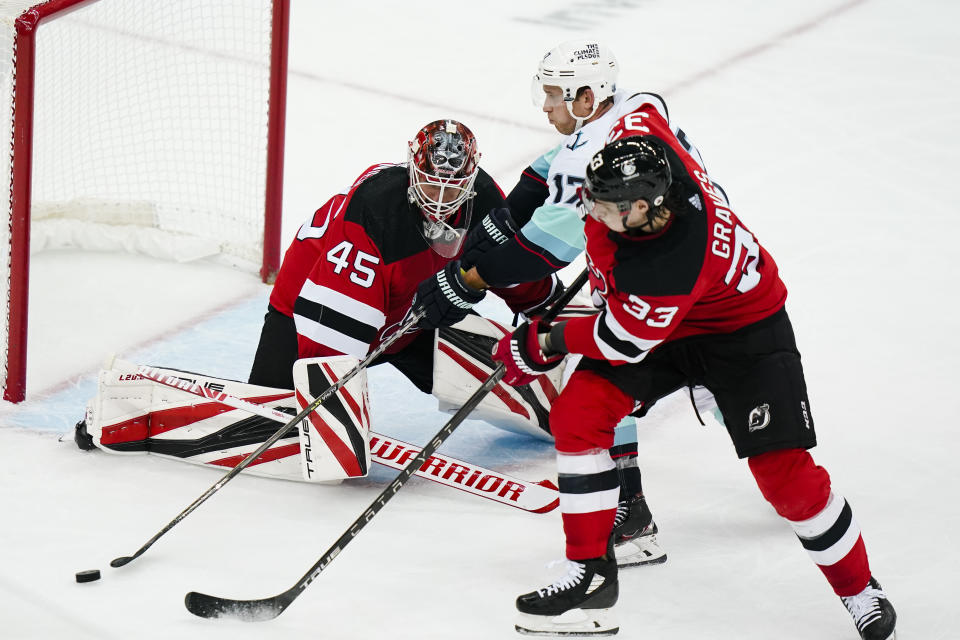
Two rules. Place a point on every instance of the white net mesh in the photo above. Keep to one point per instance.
(148, 114)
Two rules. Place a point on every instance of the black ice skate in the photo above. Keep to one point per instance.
(635, 534)
(872, 613)
(578, 604)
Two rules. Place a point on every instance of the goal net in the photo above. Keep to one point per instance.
(154, 126)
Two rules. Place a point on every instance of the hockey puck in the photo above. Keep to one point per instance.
(88, 576)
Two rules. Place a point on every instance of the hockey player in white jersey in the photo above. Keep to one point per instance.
(576, 88)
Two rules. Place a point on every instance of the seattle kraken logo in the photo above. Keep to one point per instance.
(576, 144)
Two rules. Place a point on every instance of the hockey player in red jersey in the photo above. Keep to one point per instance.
(576, 88)
(688, 297)
(349, 277)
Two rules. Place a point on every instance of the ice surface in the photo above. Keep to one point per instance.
(833, 127)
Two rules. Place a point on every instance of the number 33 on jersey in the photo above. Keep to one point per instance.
(705, 272)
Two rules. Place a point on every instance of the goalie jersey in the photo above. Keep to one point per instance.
(349, 277)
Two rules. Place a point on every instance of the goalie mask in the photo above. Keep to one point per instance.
(443, 165)
(572, 65)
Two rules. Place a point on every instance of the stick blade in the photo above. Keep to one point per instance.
(205, 606)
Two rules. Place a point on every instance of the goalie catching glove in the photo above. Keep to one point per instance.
(523, 353)
(445, 298)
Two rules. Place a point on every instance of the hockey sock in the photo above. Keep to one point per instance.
(624, 454)
(583, 421)
(629, 473)
(800, 492)
(586, 414)
(589, 490)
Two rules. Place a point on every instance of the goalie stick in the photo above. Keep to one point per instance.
(536, 497)
(207, 606)
(407, 324)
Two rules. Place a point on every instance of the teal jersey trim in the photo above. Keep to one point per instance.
(542, 164)
(625, 432)
(557, 229)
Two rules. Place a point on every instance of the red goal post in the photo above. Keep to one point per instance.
(147, 125)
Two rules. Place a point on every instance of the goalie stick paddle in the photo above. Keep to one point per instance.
(408, 323)
(207, 606)
(535, 497)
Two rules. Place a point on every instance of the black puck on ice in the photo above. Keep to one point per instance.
(88, 576)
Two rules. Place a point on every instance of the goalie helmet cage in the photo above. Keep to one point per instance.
(157, 122)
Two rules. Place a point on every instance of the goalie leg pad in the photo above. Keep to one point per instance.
(462, 362)
(133, 415)
(335, 438)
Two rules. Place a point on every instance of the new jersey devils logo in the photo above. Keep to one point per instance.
(759, 418)
(597, 280)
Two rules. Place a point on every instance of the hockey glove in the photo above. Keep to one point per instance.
(495, 229)
(522, 355)
(446, 299)
(537, 309)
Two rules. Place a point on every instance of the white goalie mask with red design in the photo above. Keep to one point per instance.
(443, 164)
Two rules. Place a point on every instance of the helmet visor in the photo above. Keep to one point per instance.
(545, 95)
(600, 210)
(586, 202)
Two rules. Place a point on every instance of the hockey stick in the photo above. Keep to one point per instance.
(536, 497)
(207, 606)
(243, 464)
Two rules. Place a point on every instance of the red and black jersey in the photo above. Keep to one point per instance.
(309, 244)
(349, 277)
(703, 273)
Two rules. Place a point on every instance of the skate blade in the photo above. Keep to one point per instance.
(573, 623)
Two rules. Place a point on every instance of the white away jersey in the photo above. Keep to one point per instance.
(556, 226)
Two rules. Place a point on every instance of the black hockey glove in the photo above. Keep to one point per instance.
(495, 229)
(541, 307)
(446, 299)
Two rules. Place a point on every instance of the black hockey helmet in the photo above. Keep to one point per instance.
(626, 170)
